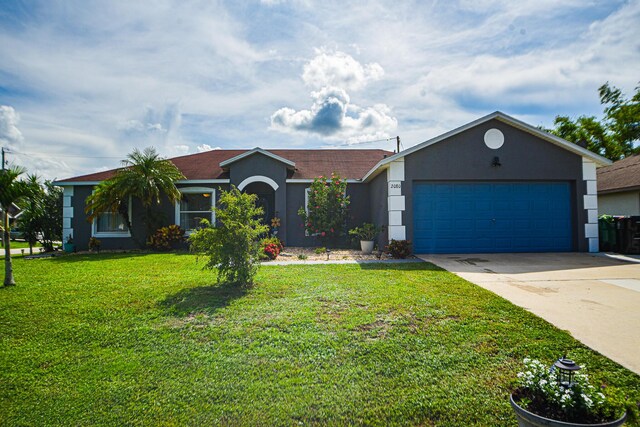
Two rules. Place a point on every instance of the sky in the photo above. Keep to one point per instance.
(83, 83)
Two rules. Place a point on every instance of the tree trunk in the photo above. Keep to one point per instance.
(8, 268)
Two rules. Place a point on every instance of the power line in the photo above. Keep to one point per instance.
(45, 155)
(368, 142)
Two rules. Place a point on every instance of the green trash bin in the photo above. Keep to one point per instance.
(607, 233)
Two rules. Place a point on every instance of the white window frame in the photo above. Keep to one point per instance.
(306, 209)
(192, 190)
(96, 233)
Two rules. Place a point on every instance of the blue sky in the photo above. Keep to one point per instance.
(84, 82)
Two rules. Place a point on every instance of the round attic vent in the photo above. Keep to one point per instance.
(493, 138)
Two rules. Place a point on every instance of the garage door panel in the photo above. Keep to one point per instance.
(492, 217)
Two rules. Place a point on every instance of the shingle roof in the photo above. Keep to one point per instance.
(621, 176)
(349, 164)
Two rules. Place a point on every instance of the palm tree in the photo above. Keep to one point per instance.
(11, 191)
(145, 176)
(33, 211)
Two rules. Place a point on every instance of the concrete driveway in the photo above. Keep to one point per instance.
(594, 297)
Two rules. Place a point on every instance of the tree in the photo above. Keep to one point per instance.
(12, 190)
(144, 176)
(41, 217)
(32, 211)
(617, 135)
(232, 245)
(51, 222)
(326, 212)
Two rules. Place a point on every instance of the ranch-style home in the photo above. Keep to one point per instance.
(493, 185)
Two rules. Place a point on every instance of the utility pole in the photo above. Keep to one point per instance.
(398, 143)
(2, 158)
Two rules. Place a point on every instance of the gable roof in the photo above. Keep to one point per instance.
(575, 148)
(309, 164)
(623, 175)
(254, 151)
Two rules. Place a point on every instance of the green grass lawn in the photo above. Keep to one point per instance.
(147, 339)
(19, 244)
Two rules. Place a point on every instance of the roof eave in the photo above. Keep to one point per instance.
(234, 159)
(596, 158)
(620, 190)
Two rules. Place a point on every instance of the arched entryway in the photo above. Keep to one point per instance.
(266, 199)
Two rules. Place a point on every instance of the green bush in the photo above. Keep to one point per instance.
(366, 232)
(166, 238)
(233, 245)
(325, 215)
(399, 248)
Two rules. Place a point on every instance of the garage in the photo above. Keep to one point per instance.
(488, 217)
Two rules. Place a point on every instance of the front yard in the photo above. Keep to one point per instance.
(147, 339)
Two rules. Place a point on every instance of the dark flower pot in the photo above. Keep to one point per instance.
(529, 419)
(69, 247)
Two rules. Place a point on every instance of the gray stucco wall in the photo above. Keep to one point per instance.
(259, 164)
(378, 206)
(359, 212)
(623, 203)
(82, 229)
(465, 157)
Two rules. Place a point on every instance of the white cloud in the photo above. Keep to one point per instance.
(10, 135)
(332, 115)
(206, 147)
(340, 70)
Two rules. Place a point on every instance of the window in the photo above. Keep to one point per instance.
(195, 205)
(111, 224)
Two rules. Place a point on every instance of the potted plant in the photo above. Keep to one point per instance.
(68, 245)
(94, 244)
(367, 233)
(561, 396)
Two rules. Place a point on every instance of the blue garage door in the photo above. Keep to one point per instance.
(487, 217)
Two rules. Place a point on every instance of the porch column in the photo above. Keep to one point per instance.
(395, 199)
(591, 204)
(67, 212)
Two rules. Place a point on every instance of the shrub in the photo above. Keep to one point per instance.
(302, 257)
(326, 212)
(319, 251)
(271, 247)
(366, 232)
(94, 244)
(233, 246)
(166, 238)
(399, 248)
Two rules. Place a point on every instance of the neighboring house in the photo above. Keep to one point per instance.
(14, 213)
(494, 185)
(619, 187)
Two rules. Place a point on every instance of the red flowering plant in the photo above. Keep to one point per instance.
(325, 214)
(271, 248)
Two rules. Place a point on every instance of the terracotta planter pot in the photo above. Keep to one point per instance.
(529, 419)
(366, 246)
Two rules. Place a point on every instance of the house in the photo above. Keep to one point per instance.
(14, 212)
(493, 185)
(619, 187)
